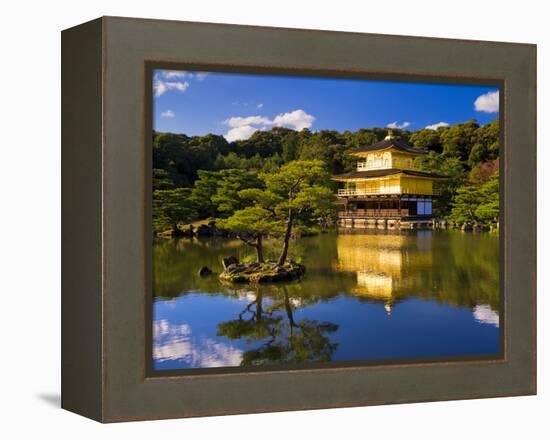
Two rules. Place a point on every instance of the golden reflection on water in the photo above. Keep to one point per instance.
(451, 267)
(383, 262)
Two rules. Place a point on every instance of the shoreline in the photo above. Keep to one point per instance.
(208, 229)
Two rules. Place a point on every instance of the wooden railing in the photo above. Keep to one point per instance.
(374, 213)
(367, 191)
(360, 192)
(363, 166)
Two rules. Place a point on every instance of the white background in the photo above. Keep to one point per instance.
(30, 218)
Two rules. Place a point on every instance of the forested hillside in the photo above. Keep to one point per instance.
(200, 177)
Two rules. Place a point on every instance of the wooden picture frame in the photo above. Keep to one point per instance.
(106, 215)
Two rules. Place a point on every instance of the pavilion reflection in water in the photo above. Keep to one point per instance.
(445, 282)
(387, 265)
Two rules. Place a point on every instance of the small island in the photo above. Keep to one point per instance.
(291, 201)
(266, 272)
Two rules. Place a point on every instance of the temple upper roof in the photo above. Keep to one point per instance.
(389, 142)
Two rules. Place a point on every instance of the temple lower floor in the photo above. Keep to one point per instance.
(400, 207)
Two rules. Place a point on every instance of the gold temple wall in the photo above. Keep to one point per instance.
(393, 185)
(403, 161)
(415, 185)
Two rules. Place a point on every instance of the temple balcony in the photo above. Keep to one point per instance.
(349, 192)
(375, 213)
(346, 192)
(363, 166)
(381, 165)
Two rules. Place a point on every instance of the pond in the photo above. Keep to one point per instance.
(367, 296)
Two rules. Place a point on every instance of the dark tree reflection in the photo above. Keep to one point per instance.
(283, 338)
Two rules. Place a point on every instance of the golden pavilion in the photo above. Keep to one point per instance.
(387, 189)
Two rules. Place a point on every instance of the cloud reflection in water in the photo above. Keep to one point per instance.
(177, 343)
(485, 315)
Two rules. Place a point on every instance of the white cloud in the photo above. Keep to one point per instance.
(394, 124)
(260, 105)
(180, 74)
(165, 80)
(436, 126)
(201, 75)
(243, 127)
(167, 114)
(160, 86)
(238, 121)
(298, 119)
(240, 133)
(172, 74)
(487, 103)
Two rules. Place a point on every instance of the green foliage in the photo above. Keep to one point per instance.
(263, 143)
(364, 137)
(325, 145)
(299, 186)
(250, 221)
(489, 135)
(226, 197)
(204, 189)
(182, 156)
(215, 193)
(290, 147)
(251, 224)
(161, 179)
(464, 205)
(229, 161)
(477, 204)
(296, 176)
(217, 172)
(488, 210)
(171, 207)
(297, 194)
(454, 170)
(233, 161)
(469, 158)
(427, 139)
(457, 140)
(272, 164)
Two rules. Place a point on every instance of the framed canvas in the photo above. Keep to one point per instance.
(263, 219)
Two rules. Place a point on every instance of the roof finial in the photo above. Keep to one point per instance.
(390, 135)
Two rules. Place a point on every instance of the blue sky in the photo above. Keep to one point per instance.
(235, 105)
